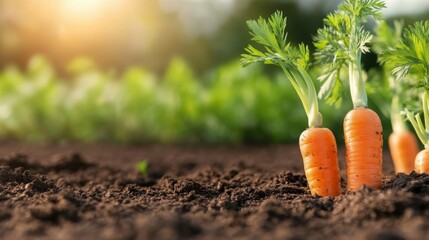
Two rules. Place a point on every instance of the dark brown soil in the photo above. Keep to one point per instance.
(95, 192)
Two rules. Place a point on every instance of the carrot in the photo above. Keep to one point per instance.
(319, 152)
(404, 148)
(340, 45)
(403, 144)
(422, 162)
(410, 61)
(364, 144)
(317, 144)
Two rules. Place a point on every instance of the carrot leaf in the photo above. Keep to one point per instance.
(411, 54)
(294, 60)
(388, 93)
(386, 37)
(340, 44)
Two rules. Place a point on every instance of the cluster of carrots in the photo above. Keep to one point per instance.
(409, 60)
(339, 46)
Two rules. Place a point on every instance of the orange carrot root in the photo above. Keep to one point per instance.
(404, 149)
(363, 136)
(319, 153)
(422, 162)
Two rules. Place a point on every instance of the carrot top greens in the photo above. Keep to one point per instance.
(411, 54)
(410, 57)
(421, 128)
(294, 61)
(389, 93)
(340, 44)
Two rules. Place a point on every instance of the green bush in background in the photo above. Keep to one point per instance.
(228, 105)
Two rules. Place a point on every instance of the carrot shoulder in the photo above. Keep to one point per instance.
(319, 153)
(364, 146)
(404, 148)
(422, 162)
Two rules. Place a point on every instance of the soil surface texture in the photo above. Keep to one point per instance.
(194, 192)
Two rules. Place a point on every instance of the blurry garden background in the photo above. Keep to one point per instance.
(133, 71)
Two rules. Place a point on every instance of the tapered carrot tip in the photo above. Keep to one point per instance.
(422, 162)
(363, 136)
(403, 149)
(319, 153)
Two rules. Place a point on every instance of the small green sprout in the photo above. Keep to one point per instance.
(142, 167)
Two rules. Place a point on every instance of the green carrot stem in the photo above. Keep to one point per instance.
(357, 86)
(398, 124)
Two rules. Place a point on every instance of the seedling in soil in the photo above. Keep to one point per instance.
(142, 167)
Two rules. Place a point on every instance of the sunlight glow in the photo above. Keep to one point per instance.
(78, 8)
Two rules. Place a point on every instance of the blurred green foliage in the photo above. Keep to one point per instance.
(228, 105)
